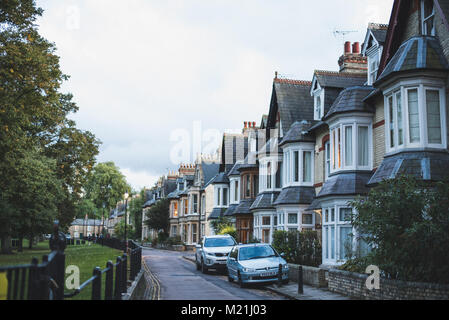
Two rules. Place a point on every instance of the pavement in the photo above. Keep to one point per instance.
(290, 291)
(170, 276)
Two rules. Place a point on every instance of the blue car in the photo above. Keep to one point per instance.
(255, 263)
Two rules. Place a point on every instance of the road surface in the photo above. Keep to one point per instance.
(178, 279)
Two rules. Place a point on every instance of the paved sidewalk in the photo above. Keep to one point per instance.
(310, 293)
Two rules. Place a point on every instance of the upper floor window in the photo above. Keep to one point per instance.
(298, 166)
(270, 175)
(350, 145)
(250, 186)
(195, 203)
(203, 204)
(373, 66)
(234, 192)
(415, 117)
(327, 160)
(221, 196)
(175, 209)
(428, 17)
(318, 103)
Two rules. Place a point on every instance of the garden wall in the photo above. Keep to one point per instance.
(315, 277)
(353, 285)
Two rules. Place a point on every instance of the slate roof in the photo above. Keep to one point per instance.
(299, 132)
(209, 171)
(444, 5)
(317, 125)
(216, 213)
(345, 183)
(427, 165)
(339, 79)
(149, 203)
(173, 195)
(417, 53)
(88, 222)
(220, 178)
(248, 164)
(244, 207)
(230, 211)
(265, 200)
(296, 195)
(316, 204)
(169, 186)
(380, 35)
(351, 100)
(293, 101)
(235, 170)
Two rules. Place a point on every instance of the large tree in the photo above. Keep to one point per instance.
(34, 113)
(158, 216)
(106, 186)
(135, 211)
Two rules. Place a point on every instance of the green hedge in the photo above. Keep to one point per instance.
(301, 248)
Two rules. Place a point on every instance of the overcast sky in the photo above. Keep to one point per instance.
(144, 71)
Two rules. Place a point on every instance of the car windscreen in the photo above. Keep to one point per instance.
(219, 242)
(256, 252)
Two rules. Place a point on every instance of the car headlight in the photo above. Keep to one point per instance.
(249, 270)
(209, 254)
(285, 266)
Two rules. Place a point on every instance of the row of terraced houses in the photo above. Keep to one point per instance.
(327, 140)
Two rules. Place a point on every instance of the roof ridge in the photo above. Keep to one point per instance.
(293, 81)
(377, 26)
(340, 74)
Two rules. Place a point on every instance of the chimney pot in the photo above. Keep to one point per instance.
(356, 48)
(347, 47)
(254, 124)
(246, 124)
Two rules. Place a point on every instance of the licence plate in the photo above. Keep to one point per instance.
(221, 262)
(268, 274)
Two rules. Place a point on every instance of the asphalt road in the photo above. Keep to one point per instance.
(179, 280)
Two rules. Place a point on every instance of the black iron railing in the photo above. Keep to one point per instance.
(45, 281)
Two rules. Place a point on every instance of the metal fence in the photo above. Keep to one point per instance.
(45, 281)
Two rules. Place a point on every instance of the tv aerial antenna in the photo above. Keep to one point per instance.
(341, 34)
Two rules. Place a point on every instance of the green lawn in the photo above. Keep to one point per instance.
(84, 256)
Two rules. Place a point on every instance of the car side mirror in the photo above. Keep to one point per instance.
(231, 258)
(198, 246)
(282, 254)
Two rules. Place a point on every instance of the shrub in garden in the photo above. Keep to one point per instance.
(299, 247)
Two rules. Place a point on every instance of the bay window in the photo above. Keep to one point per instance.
(415, 117)
(350, 145)
(337, 234)
(298, 166)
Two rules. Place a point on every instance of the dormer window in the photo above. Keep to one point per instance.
(373, 65)
(428, 17)
(415, 117)
(350, 144)
(318, 102)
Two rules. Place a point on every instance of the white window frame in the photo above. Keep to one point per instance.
(422, 86)
(289, 164)
(355, 122)
(327, 161)
(424, 20)
(318, 110)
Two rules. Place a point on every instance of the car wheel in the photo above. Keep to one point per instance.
(203, 267)
(198, 266)
(241, 283)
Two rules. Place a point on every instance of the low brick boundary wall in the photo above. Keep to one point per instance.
(353, 285)
(311, 276)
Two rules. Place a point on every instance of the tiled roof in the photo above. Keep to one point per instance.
(351, 100)
(209, 171)
(345, 183)
(339, 79)
(265, 200)
(299, 133)
(424, 165)
(88, 222)
(216, 213)
(293, 100)
(230, 211)
(220, 178)
(316, 204)
(417, 53)
(379, 31)
(296, 195)
(244, 207)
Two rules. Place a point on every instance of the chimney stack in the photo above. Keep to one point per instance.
(347, 47)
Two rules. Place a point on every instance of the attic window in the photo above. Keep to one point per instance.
(428, 17)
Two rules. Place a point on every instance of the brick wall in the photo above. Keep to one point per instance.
(315, 277)
(378, 132)
(353, 285)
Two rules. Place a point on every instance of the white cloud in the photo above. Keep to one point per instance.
(145, 68)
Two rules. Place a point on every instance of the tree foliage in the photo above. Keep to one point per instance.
(135, 211)
(34, 126)
(406, 221)
(106, 185)
(158, 216)
(119, 231)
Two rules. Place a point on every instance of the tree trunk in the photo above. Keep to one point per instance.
(30, 244)
(20, 246)
(6, 244)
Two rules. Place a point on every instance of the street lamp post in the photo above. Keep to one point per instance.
(126, 234)
(102, 228)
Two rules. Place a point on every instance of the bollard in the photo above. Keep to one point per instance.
(280, 275)
(300, 281)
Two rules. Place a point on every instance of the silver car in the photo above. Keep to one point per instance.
(255, 263)
(213, 252)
